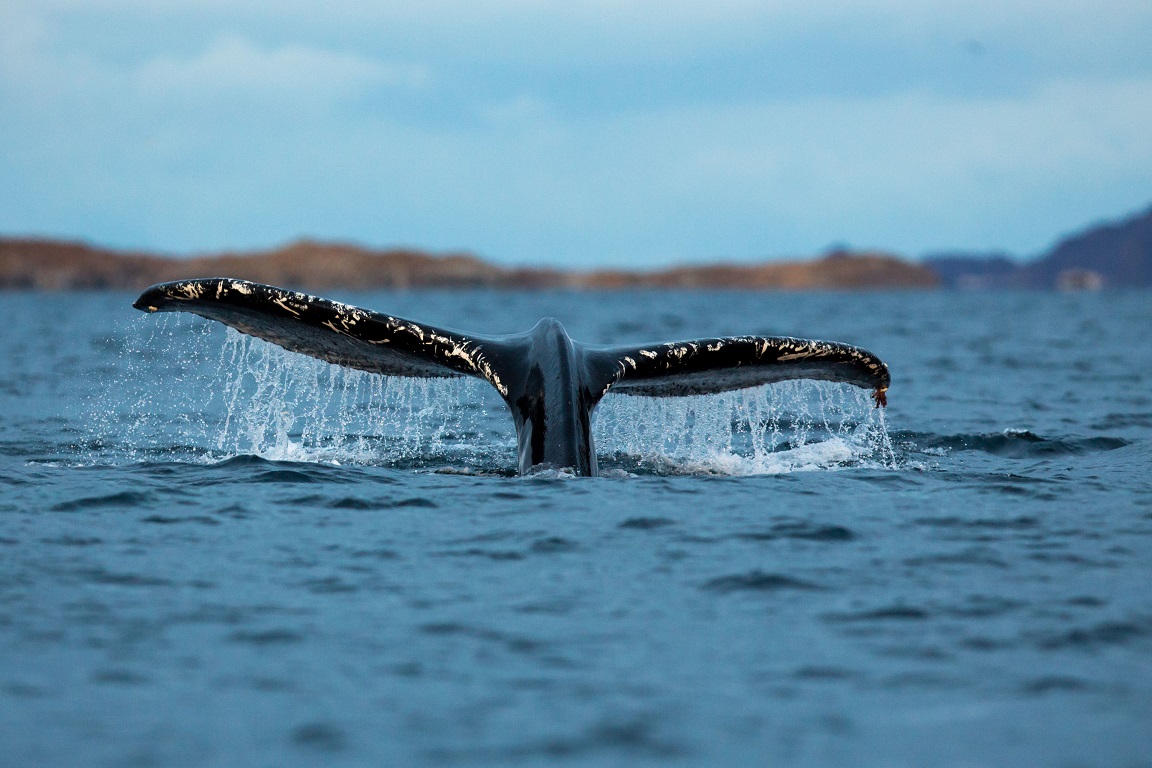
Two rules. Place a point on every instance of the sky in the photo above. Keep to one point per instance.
(631, 133)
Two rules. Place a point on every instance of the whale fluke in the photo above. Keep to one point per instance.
(334, 332)
(707, 366)
(550, 383)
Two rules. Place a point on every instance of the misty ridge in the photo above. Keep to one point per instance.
(1110, 255)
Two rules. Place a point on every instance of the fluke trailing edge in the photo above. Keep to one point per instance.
(550, 382)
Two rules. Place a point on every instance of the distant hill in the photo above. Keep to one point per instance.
(839, 270)
(972, 271)
(1114, 254)
(1119, 252)
(1110, 255)
(308, 265)
(55, 265)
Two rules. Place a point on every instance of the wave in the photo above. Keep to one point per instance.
(1008, 443)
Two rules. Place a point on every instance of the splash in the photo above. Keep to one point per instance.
(291, 407)
(786, 427)
(193, 391)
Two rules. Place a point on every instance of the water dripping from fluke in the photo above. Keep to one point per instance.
(778, 428)
(227, 395)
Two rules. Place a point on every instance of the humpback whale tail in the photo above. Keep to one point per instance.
(550, 383)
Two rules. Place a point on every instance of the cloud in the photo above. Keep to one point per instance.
(231, 65)
(911, 171)
(539, 132)
(579, 35)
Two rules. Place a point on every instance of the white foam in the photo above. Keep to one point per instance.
(793, 426)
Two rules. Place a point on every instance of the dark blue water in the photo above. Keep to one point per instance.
(213, 553)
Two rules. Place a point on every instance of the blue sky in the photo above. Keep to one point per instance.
(630, 133)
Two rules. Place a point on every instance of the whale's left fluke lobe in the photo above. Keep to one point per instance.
(550, 383)
(336, 333)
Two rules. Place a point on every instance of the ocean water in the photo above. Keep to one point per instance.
(215, 553)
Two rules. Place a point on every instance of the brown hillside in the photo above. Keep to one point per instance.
(835, 271)
(314, 266)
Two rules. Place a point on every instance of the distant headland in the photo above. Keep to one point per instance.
(1117, 254)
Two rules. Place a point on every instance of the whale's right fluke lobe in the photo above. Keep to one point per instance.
(707, 366)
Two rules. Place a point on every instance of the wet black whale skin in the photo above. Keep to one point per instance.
(550, 383)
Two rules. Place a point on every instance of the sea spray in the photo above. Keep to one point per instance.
(196, 391)
(152, 407)
(284, 406)
(784, 427)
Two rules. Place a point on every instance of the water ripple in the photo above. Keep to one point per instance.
(757, 581)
